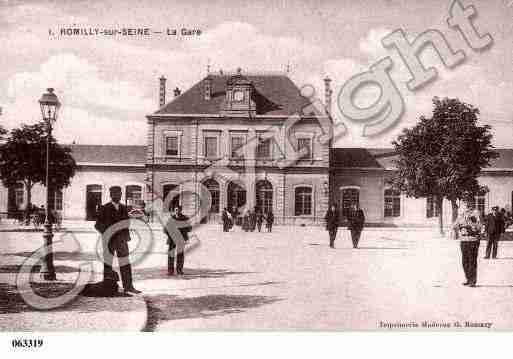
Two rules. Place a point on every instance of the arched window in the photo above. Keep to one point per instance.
(213, 187)
(264, 196)
(392, 203)
(303, 201)
(350, 198)
(236, 195)
(133, 195)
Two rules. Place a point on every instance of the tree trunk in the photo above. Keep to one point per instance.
(28, 207)
(454, 216)
(439, 206)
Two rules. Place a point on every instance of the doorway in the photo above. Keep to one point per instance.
(93, 201)
(236, 195)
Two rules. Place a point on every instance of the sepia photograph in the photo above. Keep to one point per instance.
(267, 166)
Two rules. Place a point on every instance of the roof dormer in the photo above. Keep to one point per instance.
(239, 96)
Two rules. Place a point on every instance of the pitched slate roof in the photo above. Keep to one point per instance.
(504, 161)
(275, 95)
(109, 155)
(378, 158)
(361, 158)
(383, 158)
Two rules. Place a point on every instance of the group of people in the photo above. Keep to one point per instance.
(249, 221)
(469, 228)
(115, 242)
(355, 221)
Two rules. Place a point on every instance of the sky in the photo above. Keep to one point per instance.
(107, 85)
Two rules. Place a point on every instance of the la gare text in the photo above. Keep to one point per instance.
(144, 31)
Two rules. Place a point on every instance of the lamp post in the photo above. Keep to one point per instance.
(50, 106)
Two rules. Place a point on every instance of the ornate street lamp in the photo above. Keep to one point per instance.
(50, 106)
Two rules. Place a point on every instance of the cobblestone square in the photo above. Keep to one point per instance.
(291, 280)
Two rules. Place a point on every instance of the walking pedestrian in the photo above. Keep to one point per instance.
(468, 228)
(356, 220)
(235, 216)
(176, 239)
(245, 220)
(508, 220)
(259, 220)
(252, 220)
(331, 218)
(225, 217)
(269, 220)
(494, 228)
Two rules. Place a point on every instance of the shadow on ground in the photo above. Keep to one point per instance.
(373, 248)
(18, 268)
(189, 273)
(63, 256)
(12, 302)
(165, 307)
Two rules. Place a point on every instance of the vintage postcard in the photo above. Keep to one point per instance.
(268, 165)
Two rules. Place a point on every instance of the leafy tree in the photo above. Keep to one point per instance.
(3, 132)
(23, 158)
(443, 155)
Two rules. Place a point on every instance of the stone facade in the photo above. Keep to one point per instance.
(201, 126)
(191, 148)
(99, 168)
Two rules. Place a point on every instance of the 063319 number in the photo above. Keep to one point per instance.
(27, 343)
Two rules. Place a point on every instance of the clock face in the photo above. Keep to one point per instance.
(238, 95)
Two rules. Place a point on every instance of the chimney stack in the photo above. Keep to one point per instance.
(177, 92)
(162, 91)
(208, 88)
(327, 94)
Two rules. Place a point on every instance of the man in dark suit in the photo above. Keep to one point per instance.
(494, 228)
(225, 217)
(356, 220)
(269, 220)
(113, 224)
(177, 231)
(331, 218)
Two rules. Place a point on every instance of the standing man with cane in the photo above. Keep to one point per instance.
(115, 240)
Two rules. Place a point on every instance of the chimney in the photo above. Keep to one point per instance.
(162, 91)
(208, 88)
(327, 94)
(176, 92)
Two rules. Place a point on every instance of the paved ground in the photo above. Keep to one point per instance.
(81, 313)
(291, 279)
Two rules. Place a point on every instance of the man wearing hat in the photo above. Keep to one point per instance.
(113, 224)
(494, 229)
